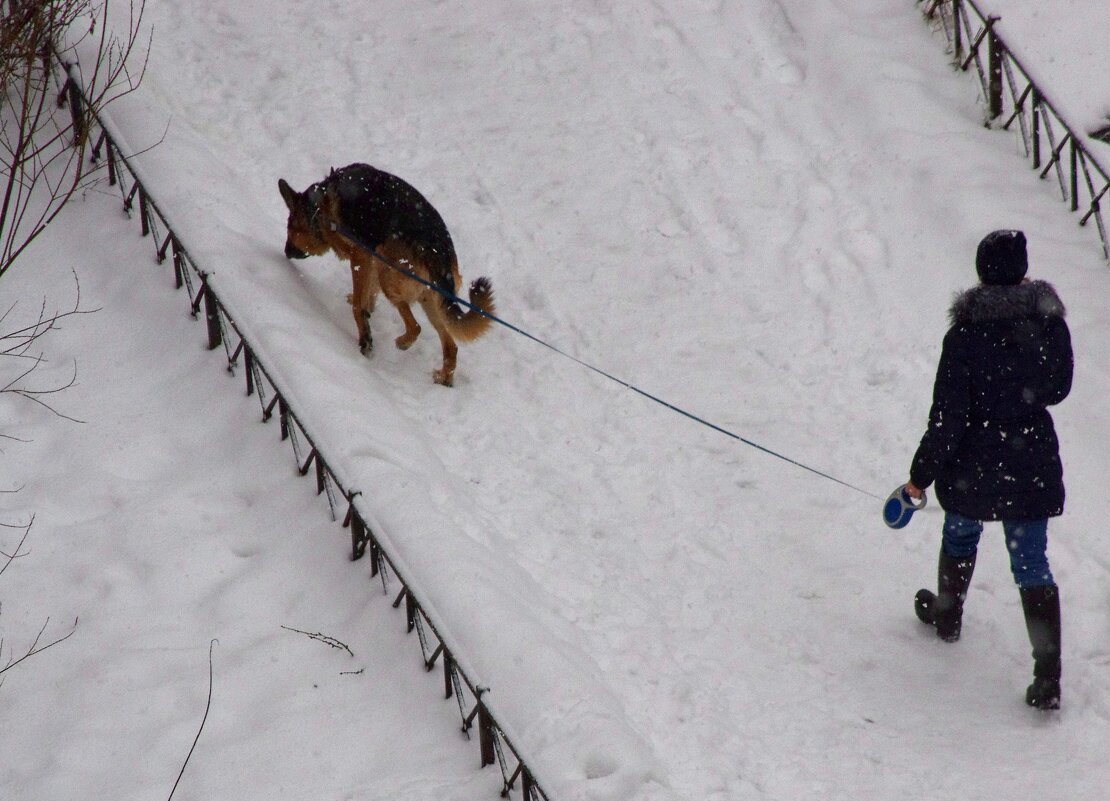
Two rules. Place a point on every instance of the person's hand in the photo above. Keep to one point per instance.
(913, 491)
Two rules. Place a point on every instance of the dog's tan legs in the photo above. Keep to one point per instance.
(412, 328)
(361, 315)
(445, 375)
(364, 294)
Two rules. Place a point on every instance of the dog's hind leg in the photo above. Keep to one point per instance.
(412, 328)
(445, 375)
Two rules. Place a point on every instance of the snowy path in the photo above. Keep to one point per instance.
(168, 517)
(756, 211)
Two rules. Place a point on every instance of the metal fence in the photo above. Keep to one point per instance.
(1012, 96)
(460, 680)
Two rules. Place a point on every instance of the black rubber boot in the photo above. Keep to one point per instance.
(945, 609)
(1042, 621)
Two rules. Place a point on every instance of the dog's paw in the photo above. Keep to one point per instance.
(365, 346)
(404, 342)
(444, 378)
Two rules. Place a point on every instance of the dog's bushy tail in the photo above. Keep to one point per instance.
(471, 324)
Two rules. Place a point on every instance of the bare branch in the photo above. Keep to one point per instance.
(17, 344)
(203, 720)
(33, 395)
(44, 144)
(16, 553)
(37, 649)
(18, 341)
(334, 643)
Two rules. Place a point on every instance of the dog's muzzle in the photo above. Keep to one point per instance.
(294, 253)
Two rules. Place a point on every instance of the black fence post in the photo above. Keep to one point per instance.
(1036, 128)
(957, 31)
(375, 559)
(994, 70)
(248, 363)
(72, 94)
(485, 731)
(1074, 175)
(111, 151)
(212, 317)
(283, 418)
(144, 212)
(178, 264)
(358, 536)
(410, 611)
(448, 674)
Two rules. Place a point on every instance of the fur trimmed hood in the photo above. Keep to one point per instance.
(987, 302)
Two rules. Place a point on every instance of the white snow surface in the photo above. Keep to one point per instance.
(756, 211)
(1063, 45)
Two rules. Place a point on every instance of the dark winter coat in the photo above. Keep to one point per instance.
(990, 445)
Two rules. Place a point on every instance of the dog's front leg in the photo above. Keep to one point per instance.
(362, 304)
(365, 339)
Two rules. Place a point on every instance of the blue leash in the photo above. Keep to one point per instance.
(347, 234)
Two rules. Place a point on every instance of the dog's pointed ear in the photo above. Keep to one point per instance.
(288, 194)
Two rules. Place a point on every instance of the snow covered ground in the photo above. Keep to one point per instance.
(757, 211)
(1063, 45)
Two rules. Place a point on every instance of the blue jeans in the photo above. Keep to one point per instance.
(1026, 540)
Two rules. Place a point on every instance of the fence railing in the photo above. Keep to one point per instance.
(1012, 96)
(460, 679)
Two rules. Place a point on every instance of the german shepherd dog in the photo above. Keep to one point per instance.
(374, 220)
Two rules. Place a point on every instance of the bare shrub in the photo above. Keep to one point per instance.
(48, 101)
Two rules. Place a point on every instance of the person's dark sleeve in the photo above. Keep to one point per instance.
(1058, 361)
(948, 417)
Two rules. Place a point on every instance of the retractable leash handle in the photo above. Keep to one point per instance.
(899, 507)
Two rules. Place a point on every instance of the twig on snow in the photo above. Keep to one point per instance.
(16, 553)
(204, 720)
(334, 643)
(36, 649)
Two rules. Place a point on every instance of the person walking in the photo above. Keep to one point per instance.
(991, 447)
